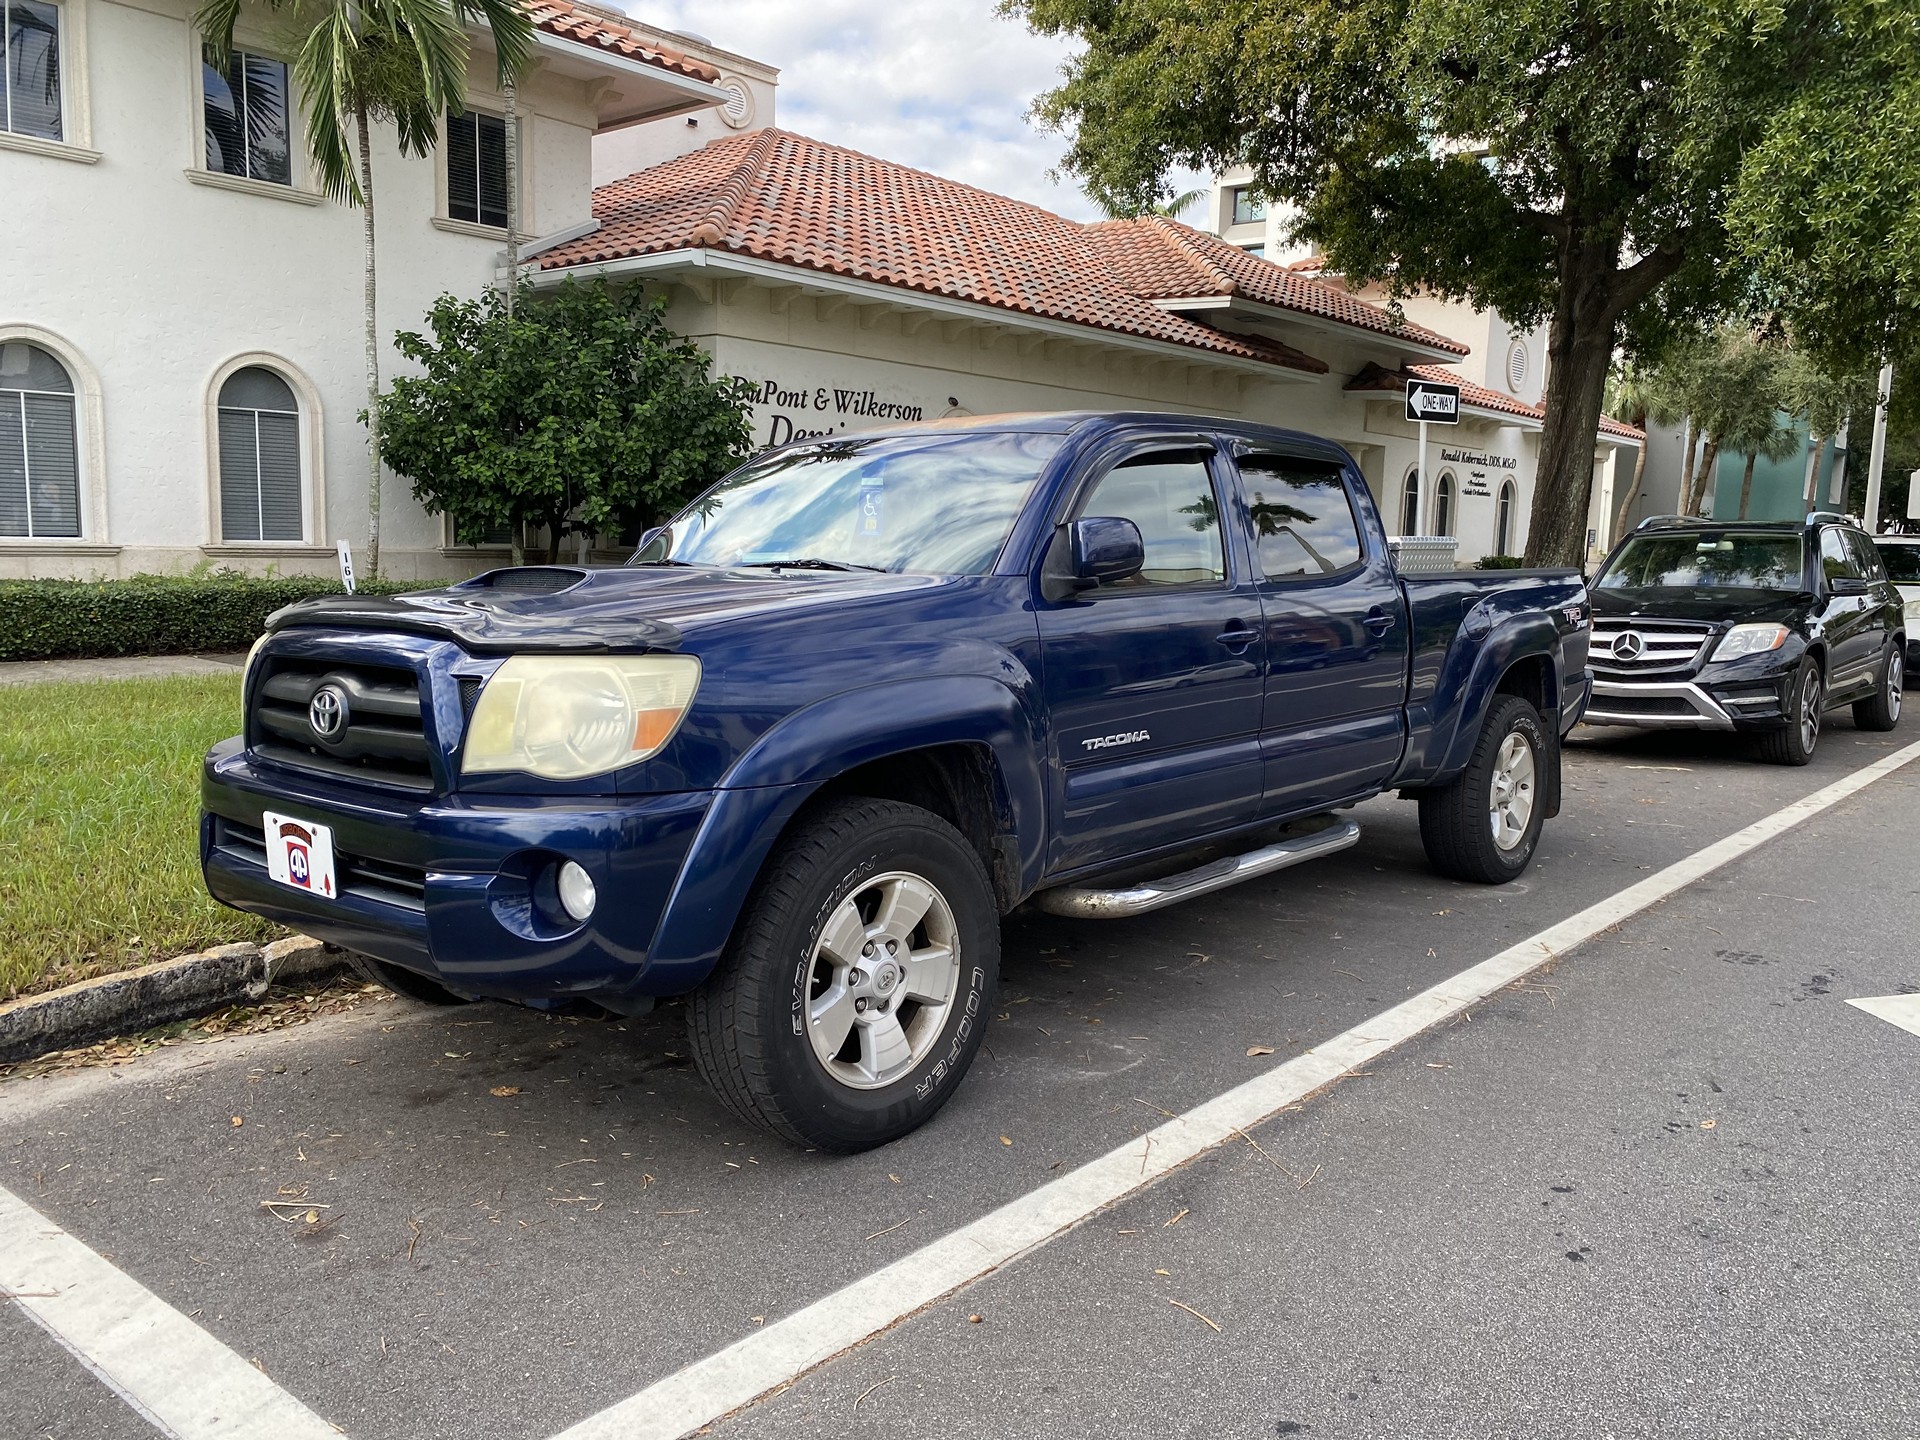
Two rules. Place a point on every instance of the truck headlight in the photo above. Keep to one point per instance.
(567, 717)
(1750, 640)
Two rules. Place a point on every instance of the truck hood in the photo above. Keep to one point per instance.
(568, 610)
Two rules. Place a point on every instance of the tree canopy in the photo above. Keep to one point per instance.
(1573, 160)
(580, 410)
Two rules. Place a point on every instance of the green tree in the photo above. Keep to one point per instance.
(574, 410)
(358, 62)
(1546, 160)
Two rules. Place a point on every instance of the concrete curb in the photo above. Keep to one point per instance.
(157, 994)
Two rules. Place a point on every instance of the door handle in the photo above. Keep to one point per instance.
(1378, 621)
(1237, 636)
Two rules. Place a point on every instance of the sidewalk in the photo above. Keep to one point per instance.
(120, 667)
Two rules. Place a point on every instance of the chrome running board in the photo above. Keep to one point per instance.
(1084, 903)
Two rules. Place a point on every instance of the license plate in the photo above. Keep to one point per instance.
(300, 854)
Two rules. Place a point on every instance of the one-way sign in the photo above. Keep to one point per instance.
(1433, 402)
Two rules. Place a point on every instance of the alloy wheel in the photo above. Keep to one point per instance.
(1811, 692)
(1511, 804)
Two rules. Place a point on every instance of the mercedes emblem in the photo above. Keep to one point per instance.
(1628, 646)
(327, 712)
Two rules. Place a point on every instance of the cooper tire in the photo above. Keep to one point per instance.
(1881, 710)
(1472, 829)
(1794, 742)
(765, 1028)
(402, 981)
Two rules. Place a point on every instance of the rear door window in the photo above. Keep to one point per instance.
(1303, 521)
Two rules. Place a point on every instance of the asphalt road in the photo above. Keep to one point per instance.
(1666, 1188)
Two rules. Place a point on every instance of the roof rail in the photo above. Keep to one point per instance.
(1652, 520)
(1828, 517)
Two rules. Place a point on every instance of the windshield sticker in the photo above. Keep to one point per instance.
(871, 512)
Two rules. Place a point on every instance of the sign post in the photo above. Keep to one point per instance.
(1435, 403)
(346, 566)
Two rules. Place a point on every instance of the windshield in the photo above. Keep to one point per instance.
(933, 504)
(1723, 560)
(1902, 562)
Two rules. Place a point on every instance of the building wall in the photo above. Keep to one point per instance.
(148, 285)
(626, 151)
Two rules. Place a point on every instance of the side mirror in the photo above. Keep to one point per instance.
(655, 545)
(1103, 550)
(1850, 585)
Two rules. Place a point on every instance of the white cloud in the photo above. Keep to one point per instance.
(942, 85)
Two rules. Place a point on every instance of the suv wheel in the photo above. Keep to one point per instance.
(1793, 743)
(855, 991)
(402, 981)
(1881, 710)
(1485, 825)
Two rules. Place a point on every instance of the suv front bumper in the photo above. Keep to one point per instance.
(1684, 704)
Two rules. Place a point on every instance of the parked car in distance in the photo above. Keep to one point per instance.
(1901, 555)
(861, 699)
(1736, 625)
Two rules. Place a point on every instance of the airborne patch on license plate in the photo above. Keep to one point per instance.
(300, 853)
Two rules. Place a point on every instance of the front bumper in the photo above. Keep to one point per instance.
(445, 885)
(1685, 704)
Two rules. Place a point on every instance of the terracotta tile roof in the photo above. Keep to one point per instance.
(1217, 267)
(778, 196)
(597, 30)
(1375, 379)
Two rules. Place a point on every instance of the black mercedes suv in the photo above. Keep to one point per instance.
(1736, 625)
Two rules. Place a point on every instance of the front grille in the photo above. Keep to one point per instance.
(1650, 706)
(384, 881)
(380, 740)
(1664, 646)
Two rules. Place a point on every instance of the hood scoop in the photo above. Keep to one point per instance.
(527, 579)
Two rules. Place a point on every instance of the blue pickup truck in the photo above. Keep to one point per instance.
(861, 699)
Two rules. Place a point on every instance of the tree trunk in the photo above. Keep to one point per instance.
(1579, 350)
(1812, 497)
(373, 350)
(1633, 490)
(513, 197)
(1689, 437)
(1746, 484)
(519, 532)
(1703, 475)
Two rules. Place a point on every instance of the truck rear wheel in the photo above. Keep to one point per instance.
(1485, 826)
(855, 990)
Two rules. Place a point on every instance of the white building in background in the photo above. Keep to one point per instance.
(1506, 368)
(181, 346)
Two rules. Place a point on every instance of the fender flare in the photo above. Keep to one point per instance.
(770, 783)
(1512, 639)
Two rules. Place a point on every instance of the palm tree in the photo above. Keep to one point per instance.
(1170, 208)
(361, 61)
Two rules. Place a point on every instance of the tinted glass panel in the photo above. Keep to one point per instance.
(1248, 207)
(248, 128)
(933, 506)
(1170, 497)
(1302, 520)
(1902, 562)
(1836, 558)
(1865, 559)
(30, 62)
(28, 367)
(1726, 560)
(477, 168)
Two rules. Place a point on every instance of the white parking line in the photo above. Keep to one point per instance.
(174, 1374)
(781, 1352)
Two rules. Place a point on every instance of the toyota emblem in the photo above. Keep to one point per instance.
(327, 712)
(1629, 646)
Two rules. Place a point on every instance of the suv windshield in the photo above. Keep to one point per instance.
(933, 504)
(1717, 560)
(1902, 562)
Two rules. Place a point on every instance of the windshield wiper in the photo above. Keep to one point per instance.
(808, 563)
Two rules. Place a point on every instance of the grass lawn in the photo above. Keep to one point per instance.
(99, 827)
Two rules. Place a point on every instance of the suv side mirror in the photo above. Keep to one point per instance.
(1850, 585)
(1104, 549)
(654, 546)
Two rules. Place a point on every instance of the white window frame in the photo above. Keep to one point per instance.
(487, 102)
(303, 187)
(89, 450)
(313, 472)
(76, 113)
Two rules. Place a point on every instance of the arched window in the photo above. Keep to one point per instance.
(1410, 504)
(1443, 504)
(260, 482)
(39, 446)
(1503, 521)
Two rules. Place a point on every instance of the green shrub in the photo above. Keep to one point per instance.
(1499, 562)
(150, 614)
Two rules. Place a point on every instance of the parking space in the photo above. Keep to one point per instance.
(488, 1222)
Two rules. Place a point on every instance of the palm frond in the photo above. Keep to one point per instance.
(512, 32)
(214, 20)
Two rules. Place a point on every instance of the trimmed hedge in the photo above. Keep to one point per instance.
(1499, 562)
(151, 614)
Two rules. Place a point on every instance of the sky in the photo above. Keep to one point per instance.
(942, 85)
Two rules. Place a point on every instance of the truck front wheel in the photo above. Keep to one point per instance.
(857, 986)
(1485, 825)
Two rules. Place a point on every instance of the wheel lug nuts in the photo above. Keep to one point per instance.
(893, 947)
(867, 949)
(856, 977)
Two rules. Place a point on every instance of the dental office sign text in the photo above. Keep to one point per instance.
(792, 411)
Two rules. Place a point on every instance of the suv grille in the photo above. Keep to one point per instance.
(376, 737)
(1657, 646)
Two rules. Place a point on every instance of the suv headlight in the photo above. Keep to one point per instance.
(1750, 640)
(568, 717)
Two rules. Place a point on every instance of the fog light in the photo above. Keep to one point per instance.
(577, 894)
